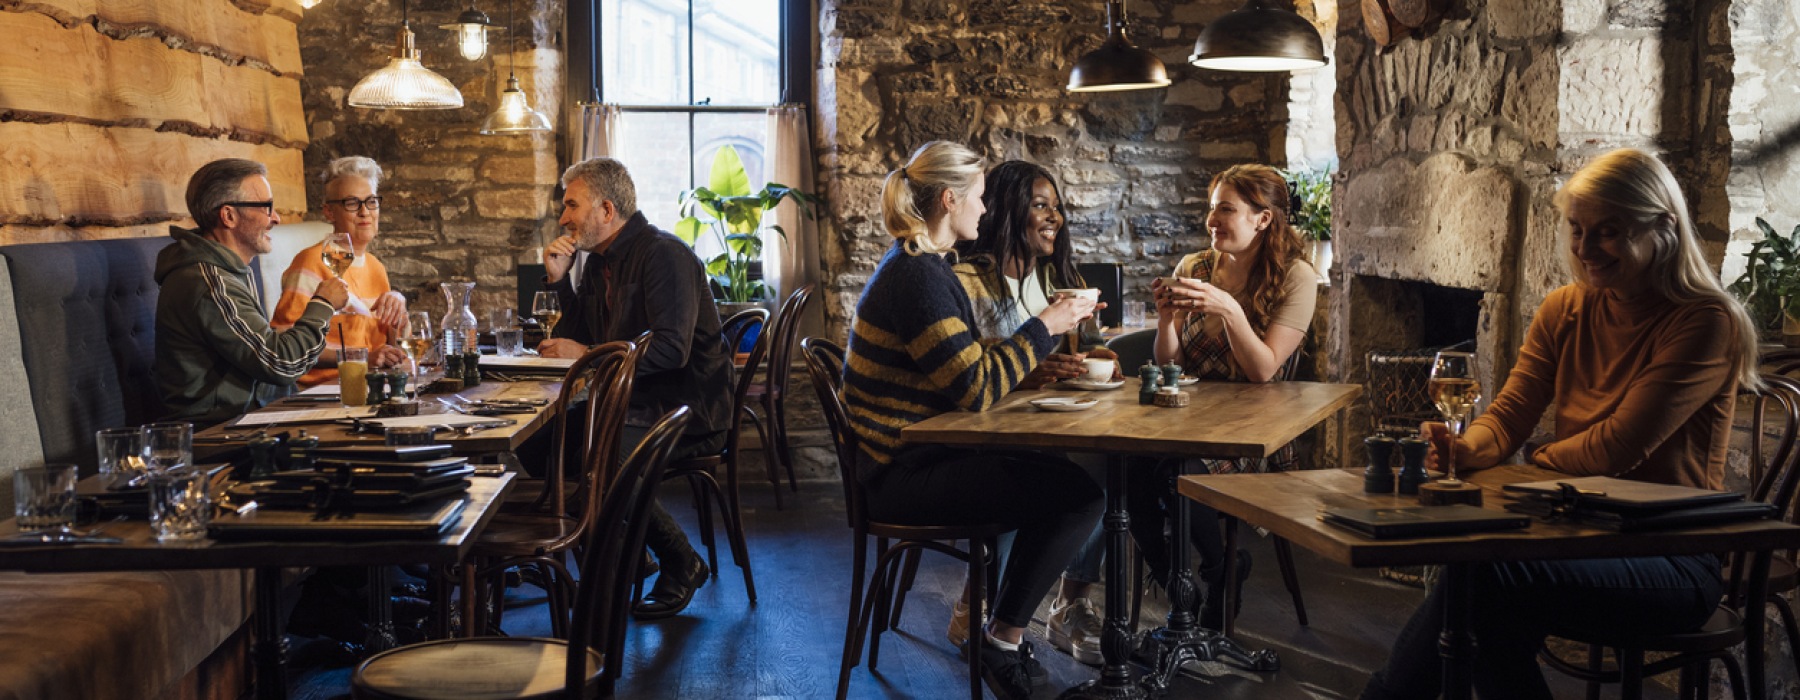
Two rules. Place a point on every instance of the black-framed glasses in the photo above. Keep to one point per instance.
(373, 203)
(269, 205)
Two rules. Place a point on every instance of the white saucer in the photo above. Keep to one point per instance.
(1187, 381)
(1086, 385)
(1064, 404)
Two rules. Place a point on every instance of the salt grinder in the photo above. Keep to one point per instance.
(1412, 470)
(1379, 476)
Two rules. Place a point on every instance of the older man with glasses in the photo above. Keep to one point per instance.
(216, 354)
(376, 313)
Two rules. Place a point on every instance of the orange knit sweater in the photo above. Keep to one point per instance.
(1644, 390)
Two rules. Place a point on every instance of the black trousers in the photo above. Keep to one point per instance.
(1052, 503)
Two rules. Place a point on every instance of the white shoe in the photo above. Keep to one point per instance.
(1075, 628)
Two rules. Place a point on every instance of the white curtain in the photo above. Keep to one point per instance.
(792, 264)
(596, 134)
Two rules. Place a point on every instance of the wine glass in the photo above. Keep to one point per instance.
(338, 252)
(417, 342)
(1455, 391)
(547, 311)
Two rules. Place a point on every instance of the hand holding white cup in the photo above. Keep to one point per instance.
(1099, 371)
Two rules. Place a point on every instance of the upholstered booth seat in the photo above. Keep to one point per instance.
(113, 635)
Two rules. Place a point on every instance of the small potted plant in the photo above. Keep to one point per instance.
(734, 215)
(1771, 283)
(1313, 219)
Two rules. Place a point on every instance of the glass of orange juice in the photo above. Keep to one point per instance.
(353, 372)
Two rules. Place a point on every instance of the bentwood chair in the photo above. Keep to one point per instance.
(584, 666)
(771, 394)
(701, 471)
(825, 365)
(1774, 481)
(538, 541)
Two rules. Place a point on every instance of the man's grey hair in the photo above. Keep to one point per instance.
(606, 180)
(358, 166)
(216, 183)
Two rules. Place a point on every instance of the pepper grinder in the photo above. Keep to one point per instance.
(1379, 476)
(1171, 374)
(471, 369)
(1412, 470)
(1149, 374)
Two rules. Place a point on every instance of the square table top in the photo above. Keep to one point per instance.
(1223, 420)
(502, 439)
(1288, 504)
(141, 552)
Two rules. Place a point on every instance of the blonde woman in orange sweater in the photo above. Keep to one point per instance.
(1642, 357)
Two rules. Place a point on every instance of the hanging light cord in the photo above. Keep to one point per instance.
(513, 40)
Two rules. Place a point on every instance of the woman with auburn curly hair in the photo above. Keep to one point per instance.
(1233, 312)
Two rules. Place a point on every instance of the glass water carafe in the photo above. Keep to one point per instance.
(459, 326)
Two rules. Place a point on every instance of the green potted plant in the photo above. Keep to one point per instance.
(734, 215)
(1771, 283)
(1313, 219)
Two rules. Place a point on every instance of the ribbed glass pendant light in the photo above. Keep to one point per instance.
(404, 83)
(1259, 38)
(1117, 65)
(515, 115)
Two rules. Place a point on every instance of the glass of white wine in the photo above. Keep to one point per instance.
(1455, 390)
(418, 342)
(547, 311)
(338, 252)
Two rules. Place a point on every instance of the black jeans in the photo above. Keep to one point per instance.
(1152, 503)
(1052, 503)
(664, 537)
(1517, 604)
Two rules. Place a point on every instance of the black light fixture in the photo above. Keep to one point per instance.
(1117, 65)
(471, 28)
(1259, 38)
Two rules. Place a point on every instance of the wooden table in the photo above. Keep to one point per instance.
(502, 439)
(141, 552)
(1288, 504)
(1223, 420)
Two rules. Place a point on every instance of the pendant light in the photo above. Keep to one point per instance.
(471, 28)
(309, 4)
(1259, 38)
(515, 115)
(1117, 65)
(404, 83)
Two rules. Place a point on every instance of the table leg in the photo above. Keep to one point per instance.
(1455, 644)
(437, 588)
(381, 612)
(1182, 640)
(1116, 641)
(269, 650)
(1754, 661)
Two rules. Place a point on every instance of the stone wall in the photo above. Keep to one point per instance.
(455, 203)
(1133, 166)
(1765, 123)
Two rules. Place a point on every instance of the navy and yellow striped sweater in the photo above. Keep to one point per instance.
(914, 354)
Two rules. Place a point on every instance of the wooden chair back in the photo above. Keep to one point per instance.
(579, 382)
(786, 331)
(610, 561)
(606, 419)
(825, 365)
(735, 329)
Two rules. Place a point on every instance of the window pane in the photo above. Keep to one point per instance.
(654, 147)
(744, 132)
(644, 52)
(737, 51)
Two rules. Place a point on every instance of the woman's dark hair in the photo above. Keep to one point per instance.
(1265, 189)
(1003, 235)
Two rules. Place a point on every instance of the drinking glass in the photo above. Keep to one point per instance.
(418, 343)
(509, 342)
(1133, 316)
(547, 311)
(501, 319)
(339, 253)
(44, 496)
(1455, 391)
(168, 445)
(121, 455)
(353, 376)
(180, 504)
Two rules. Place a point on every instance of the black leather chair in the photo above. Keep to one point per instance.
(1109, 278)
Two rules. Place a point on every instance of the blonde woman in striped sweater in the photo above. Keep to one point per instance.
(914, 354)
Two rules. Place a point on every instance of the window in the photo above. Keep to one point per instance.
(691, 76)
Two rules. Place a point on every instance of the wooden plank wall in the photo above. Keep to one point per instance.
(108, 106)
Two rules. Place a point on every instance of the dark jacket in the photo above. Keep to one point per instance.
(216, 356)
(652, 282)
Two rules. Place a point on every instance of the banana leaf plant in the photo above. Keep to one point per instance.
(1770, 285)
(734, 216)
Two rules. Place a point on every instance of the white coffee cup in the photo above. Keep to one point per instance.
(1098, 370)
(1088, 294)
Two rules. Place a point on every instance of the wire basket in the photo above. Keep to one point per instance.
(1399, 396)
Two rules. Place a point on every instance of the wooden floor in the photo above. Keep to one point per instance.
(788, 645)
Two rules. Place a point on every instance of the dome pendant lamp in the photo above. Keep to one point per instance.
(471, 28)
(404, 83)
(1259, 38)
(515, 115)
(1117, 65)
